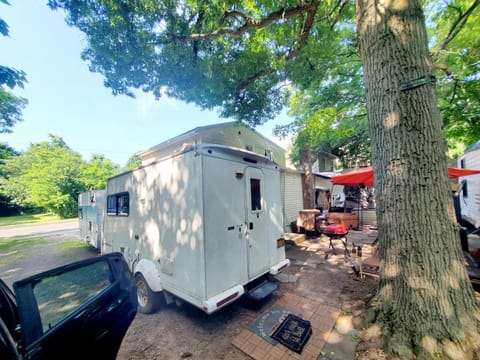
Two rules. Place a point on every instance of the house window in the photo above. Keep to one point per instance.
(118, 204)
(256, 196)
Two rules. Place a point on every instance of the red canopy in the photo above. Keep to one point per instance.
(454, 172)
(365, 176)
(355, 177)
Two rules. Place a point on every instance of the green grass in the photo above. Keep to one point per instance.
(72, 245)
(28, 219)
(10, 245)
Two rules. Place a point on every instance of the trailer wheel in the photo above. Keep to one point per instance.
(147, 299)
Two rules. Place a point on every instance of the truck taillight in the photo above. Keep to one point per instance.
(280, 242)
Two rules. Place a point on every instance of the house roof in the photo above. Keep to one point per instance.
(199, 130)
(473, 147)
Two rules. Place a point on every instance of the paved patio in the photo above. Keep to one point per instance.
(332, 331)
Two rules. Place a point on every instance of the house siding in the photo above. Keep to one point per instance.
(293, 197)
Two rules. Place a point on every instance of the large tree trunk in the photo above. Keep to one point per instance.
(307, 177)
(425, 304)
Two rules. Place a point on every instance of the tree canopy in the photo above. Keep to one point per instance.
(250, 59)
(454, 47)
(456, 52)
(10, 105)
(50, 175)
(165, 47)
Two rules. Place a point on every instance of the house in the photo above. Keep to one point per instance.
(232, 134)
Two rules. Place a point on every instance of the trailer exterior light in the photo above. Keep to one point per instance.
(282, 267)
(227, 299)
(280, 242)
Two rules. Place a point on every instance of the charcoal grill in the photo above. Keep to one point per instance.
(337, 232)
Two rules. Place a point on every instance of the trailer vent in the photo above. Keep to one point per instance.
(252, 161)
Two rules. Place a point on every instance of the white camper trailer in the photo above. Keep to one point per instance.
(90, 216)
(199, 225)
(469, 193)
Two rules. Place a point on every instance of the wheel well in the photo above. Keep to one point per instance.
(150, 273)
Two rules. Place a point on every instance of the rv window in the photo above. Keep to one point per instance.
(256, 196)
(118, 204)
(112, 205)
(123, 206)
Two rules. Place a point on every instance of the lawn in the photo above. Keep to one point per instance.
(28, 219)
(20, 258)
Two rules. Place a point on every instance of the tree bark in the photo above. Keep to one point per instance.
(307, 177)
(425, 304)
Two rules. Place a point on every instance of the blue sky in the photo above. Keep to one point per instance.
(67, 100)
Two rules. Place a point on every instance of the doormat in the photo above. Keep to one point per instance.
(293, 333)
(268, 322)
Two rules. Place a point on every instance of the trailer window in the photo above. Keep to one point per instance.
(255, 194)
(118, 204)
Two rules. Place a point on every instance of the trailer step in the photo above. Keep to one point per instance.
(262, 290)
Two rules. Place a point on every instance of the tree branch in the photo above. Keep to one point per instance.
(307, 26)
(248, 23)
(444, 68)
(458, 25)
(311, 10)
(337, 18)
(233, 14)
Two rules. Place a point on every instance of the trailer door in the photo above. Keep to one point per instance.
(256, 233)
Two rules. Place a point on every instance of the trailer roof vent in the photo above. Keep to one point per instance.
(252, 161)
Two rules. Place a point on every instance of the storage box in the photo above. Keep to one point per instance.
(306, 219)
(351, 220)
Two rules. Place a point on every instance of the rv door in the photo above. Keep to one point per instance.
(256, 232)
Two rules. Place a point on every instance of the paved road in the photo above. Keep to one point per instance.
(61, 227)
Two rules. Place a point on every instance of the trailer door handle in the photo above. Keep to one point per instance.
(251, 226)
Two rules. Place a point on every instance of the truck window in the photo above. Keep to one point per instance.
(59, 295)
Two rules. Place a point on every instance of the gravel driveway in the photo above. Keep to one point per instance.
(27, 250)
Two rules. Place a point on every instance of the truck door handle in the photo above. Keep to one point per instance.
(251, 226)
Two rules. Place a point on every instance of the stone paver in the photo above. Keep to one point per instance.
(321, 316)
(333, 335)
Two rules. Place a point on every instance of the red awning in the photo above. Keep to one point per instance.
(355, 177)
(454, 172)
(365, 176)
